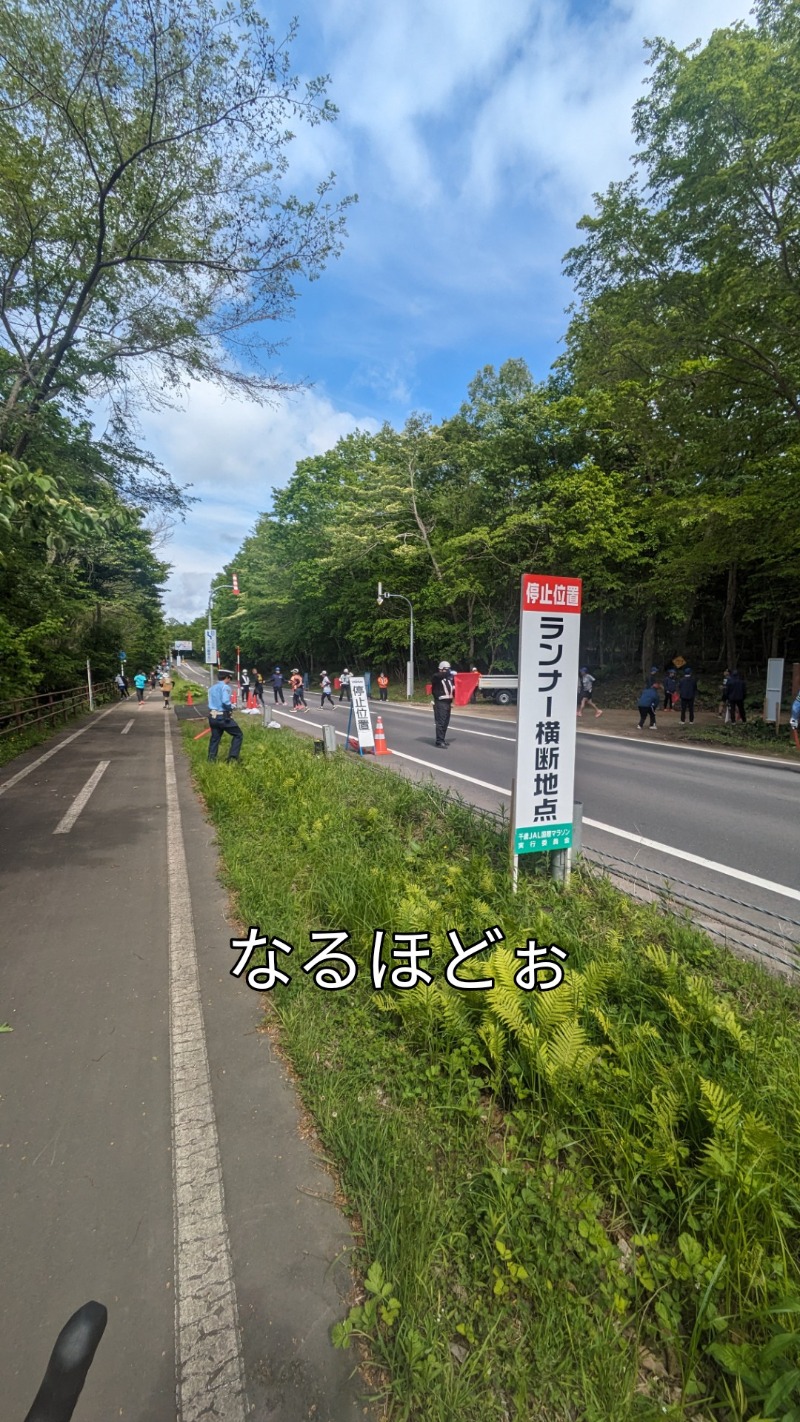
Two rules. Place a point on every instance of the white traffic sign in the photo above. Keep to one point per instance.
(549, 652)
(211, 646)
(361, 713)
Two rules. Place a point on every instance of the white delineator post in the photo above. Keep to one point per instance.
(549, 653)
(89, 684)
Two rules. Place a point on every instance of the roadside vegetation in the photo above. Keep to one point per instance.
(578, 1204)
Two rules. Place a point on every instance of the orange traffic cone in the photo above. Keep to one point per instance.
(189, 701)
(251, 701)
(381, 747)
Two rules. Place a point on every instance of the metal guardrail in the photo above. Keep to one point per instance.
(69, 1363)
(50, 706)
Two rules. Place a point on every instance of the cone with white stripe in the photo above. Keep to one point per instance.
(381, 747)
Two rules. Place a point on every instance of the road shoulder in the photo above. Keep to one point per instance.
(289, 1241)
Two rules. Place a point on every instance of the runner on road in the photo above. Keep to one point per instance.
(166, 689)
(585, 688)
(140, 682)
(298, 693)
(325, 688)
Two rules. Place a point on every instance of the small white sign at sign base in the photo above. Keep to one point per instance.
(547, 703)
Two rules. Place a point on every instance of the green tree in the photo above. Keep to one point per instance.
(146, 236)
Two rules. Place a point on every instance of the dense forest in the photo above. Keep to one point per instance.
(658, 461)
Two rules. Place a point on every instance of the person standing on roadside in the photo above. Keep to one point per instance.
(298, 694)
(442, 689)
(325, 688)
(220, 718)
(723, 710)
(736, 691)
(257, 685)
(585, 689)
(648, 704)
(344, 684)
(140, 682)
(688, 691)
(277, 686)
(166, 689)
(383, 686)
(670, 688)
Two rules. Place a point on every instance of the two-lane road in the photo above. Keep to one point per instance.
(721, 829)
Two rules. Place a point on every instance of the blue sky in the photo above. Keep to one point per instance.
(474, 135)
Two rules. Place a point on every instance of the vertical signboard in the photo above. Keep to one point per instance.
(772, 700)
(360, 712)
(549, 652)
(211, 645)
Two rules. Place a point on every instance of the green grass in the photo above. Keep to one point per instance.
(574, 1204)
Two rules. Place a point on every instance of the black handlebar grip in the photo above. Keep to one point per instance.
(69, 1363)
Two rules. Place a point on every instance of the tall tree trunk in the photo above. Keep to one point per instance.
(727, 619)
(648, 643)
(776, 627)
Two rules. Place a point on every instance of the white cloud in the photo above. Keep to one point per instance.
(233, 454)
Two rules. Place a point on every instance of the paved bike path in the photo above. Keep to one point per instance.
(88, 1153)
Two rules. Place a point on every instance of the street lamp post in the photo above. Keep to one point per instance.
(223, 587)
(382, 595)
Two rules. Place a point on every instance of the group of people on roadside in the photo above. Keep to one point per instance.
(160, 676)
(253, 682)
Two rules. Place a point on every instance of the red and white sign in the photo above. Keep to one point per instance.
(549, 652)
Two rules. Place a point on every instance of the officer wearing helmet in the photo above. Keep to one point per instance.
(442, 690)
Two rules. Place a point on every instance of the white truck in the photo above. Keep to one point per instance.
(501, 689)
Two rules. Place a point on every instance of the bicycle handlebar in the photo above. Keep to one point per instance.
(69, 1363)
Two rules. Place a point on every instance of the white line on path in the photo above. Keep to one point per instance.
(34, 765)
(127, 726)
(67, 821)
(740, 874)
(210, 1371)
(445, 770)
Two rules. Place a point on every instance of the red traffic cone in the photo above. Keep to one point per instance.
(189, 701)
(251, 701)
(381, 747)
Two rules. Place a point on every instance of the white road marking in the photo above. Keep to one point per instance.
(210, 1370)
(34, 765)
(697, 859)
(445, 770)
(67, 821)
(126, 727)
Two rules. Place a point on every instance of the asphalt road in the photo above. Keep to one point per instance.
(735, 814)
(149, 1145)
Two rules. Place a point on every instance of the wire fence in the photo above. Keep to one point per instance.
(774, 937)
(50, 707)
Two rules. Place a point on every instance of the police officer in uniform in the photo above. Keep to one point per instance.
(442, 689)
